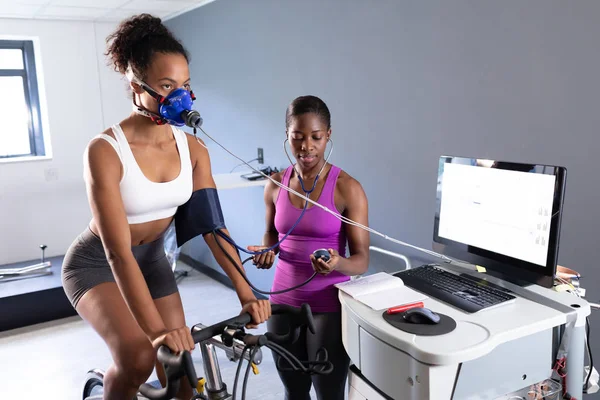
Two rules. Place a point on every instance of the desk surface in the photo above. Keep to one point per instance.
(234, 181)
(475, 334)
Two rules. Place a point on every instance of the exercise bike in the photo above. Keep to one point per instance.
(230, 336)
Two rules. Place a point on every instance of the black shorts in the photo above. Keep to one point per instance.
(85, 266)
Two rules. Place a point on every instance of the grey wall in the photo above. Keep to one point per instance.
(407, 81)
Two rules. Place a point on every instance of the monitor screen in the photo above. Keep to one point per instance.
(505, 212)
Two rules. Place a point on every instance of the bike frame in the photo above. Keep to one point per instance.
(228, 335)
(216, 389)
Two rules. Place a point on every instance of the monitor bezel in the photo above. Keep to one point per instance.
(506, 267)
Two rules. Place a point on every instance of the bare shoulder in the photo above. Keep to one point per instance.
(349, 186)
(100, 155)
(278, 176)
(197, 147)
(270, 186)
(195, 143)
(98, 147)
(110, 133)
(271, 189)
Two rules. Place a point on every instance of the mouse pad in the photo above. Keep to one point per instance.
(446, 325)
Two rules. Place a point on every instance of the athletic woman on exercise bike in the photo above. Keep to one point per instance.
(137, 174)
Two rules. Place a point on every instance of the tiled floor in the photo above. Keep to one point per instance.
(50, 360)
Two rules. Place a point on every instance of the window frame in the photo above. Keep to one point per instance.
(32, 96)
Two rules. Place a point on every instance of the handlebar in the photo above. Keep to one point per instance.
(299, 317)
(177, 366)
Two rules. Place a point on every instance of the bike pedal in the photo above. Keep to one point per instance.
(255, 369)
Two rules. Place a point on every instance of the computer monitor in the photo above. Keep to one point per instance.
(504, 216)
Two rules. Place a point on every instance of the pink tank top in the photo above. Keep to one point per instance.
(317, 229)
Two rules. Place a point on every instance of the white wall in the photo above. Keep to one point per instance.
(83, 97)
(116, 103)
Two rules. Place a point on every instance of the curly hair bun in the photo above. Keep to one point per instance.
(137, 39)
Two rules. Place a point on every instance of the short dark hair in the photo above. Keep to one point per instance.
(137, 39)
(308, 104)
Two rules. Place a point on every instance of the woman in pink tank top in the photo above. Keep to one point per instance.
(308, 129)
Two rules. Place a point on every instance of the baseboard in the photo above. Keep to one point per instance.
(34, 308)
(212, 273)
(31, 301)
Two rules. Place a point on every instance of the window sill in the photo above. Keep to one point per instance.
(24, 159)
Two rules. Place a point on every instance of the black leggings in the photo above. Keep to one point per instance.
(328, 335)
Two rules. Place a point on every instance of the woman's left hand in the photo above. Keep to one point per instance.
(260, 310)
(325, 268)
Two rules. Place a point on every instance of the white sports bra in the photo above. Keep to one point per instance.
(145, 200)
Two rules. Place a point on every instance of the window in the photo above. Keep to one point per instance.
(21, 134)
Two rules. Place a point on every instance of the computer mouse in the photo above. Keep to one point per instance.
(420, 315)
(323, 254)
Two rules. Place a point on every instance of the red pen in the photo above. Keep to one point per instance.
(399, 309)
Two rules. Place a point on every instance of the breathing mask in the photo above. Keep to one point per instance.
(174, 109)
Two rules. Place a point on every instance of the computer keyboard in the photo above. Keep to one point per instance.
(459, 291)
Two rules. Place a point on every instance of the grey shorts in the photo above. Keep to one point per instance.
(85, 266)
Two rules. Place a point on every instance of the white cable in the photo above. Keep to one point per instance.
(566, 282)
(338, 216)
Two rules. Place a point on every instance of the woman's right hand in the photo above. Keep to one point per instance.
(264, 260)
(177, 340)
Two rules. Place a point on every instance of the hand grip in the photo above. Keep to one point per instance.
(176, 366)
(255, 340)
(217, 329)
(188, 368)
(165, 393)
(167, 358)
(299, 317)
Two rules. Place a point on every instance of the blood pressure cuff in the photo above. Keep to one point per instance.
(200, 215)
